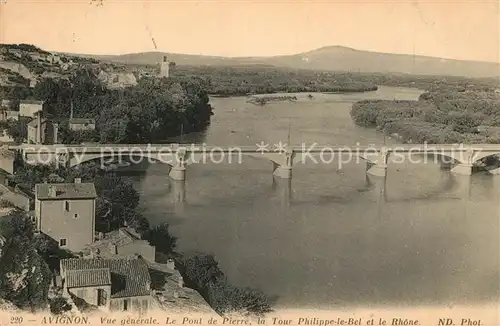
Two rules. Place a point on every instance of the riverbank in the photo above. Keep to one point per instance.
(262, 100)
(445, 117)
(332, 90)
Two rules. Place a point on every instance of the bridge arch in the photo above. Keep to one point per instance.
(171, 159)
(484, 155)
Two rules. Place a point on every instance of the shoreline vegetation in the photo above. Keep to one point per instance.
(445, 117)
(262, 100)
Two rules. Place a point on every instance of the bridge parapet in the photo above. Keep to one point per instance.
(376, 163)
(179, 157)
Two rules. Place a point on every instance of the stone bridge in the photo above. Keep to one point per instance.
(461, 158)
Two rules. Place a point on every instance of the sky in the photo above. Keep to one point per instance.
(459, 29)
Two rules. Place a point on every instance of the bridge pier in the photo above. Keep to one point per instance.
(465, 163)
(282, 163)
(376, 163)
(178, 171)
(462, 169)
(280, 171)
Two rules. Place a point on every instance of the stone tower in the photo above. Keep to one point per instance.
(164, 67)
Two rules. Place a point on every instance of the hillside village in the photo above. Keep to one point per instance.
(113, 271)
(109, 271)
(23, 64)
(75, 236)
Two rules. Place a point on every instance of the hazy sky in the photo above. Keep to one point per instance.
(450, 29)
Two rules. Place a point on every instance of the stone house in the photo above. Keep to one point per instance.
(28, 108)
(66, 213)
(5, 104)
(77, 124)
(7, 159)
(17, 197)
(110, 284)
(124, 242)
(9, 115)
(6, 112)
(42, 131)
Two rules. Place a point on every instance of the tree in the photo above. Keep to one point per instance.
(227, 298)
(24, 275)
(59, 305)
(117, 190)
(202, 273)
(161, 238)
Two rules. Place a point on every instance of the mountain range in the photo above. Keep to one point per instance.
(329, 58)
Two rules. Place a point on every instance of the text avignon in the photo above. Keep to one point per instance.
(65, 320)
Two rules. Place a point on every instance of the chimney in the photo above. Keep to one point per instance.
(164, 58)
(113, 249)
(39, 127)
(52, 191)
(170, 264)
(78, 180)
(56, 132)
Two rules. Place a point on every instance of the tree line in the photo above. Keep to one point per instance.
(439, 116)
(152, 111)
(245, 80)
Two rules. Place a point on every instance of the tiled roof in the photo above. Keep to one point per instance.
(122, 237)
(66, 190)
(89, 277)
(109, 245)
(81, 121)
(31, 102)
(129, 277)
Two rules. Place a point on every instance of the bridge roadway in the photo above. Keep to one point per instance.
(462, 157)
(199, 148)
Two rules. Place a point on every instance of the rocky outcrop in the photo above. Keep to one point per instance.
(7, 306)
(117, 79)
(17, 68)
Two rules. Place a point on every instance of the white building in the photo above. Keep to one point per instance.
(28, 108)
(164, 68)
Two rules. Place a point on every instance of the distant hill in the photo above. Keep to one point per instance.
(330, 58)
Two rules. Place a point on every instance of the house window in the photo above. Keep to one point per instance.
(144, 305)
(62, 242)
(76, 215)
(125, 304)
(66, 206)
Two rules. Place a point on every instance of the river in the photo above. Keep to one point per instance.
(332, 236)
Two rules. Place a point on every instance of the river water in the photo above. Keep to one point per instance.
(332, 236)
